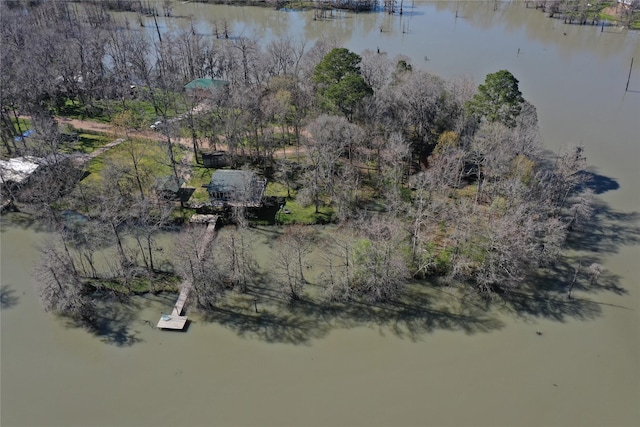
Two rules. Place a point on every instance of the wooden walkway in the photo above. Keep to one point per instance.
(175, 320)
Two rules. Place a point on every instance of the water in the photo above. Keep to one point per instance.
(487, 369)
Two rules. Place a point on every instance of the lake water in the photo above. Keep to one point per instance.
(483, 368)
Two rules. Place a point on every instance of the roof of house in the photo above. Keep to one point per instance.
(206, 84)
(228, 181)
(236, 188)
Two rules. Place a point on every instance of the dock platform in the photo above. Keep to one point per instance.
(175, 320)
(169, 321)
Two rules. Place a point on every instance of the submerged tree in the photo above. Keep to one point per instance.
(60, 288)
(291, 250)
(234, 259)
(379, 267)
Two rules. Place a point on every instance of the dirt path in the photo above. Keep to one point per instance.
(106, 128)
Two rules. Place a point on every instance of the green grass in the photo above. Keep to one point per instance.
(200, 176)
(75, 110)
(153, 157)
(468, 191)
(139, 285)
(299, 214)
(182, 215)
(143, 113)
(276, 189)
(87, 142)
(25, 124)
(604, 16)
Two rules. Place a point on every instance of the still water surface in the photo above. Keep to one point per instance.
(584, 369)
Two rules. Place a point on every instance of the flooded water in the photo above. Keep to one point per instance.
(474, 368)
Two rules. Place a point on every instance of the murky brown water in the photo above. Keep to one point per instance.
(486, 369)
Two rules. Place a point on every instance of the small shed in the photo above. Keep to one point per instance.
(236, 188)
(213, 159)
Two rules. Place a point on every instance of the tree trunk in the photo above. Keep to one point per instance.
(573, 282)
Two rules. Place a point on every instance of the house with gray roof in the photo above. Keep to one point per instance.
(236, 188)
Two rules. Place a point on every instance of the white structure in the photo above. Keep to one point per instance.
(18, 170)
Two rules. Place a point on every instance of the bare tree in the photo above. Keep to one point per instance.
(59, 287)
(379, 269)
(331, 138)
(376, 68)
(338, 260)
(291, 250)
(394, 168)
(594, 271)
(149, 219)
(235, 259)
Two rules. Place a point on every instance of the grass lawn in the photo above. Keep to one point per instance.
(25, 124)
(142, 112)
(276, 189)
(199, 176)
(87, 142)
(159, 282)
(299, 214)
(604, 16)
(153, 159)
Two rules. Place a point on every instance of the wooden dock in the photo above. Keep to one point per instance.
(175, 320)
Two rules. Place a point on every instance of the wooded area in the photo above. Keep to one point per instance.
(424, 176)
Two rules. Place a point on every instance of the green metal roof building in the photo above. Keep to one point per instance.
(205, 84)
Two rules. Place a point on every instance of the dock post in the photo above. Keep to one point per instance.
(629, 78)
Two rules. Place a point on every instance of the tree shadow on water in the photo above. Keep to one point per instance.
(424, 308)
(607, 232)
(418, 312)
(597, 183)
(112, 324)
(546, 294)
(551, 306)
(8, 297)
